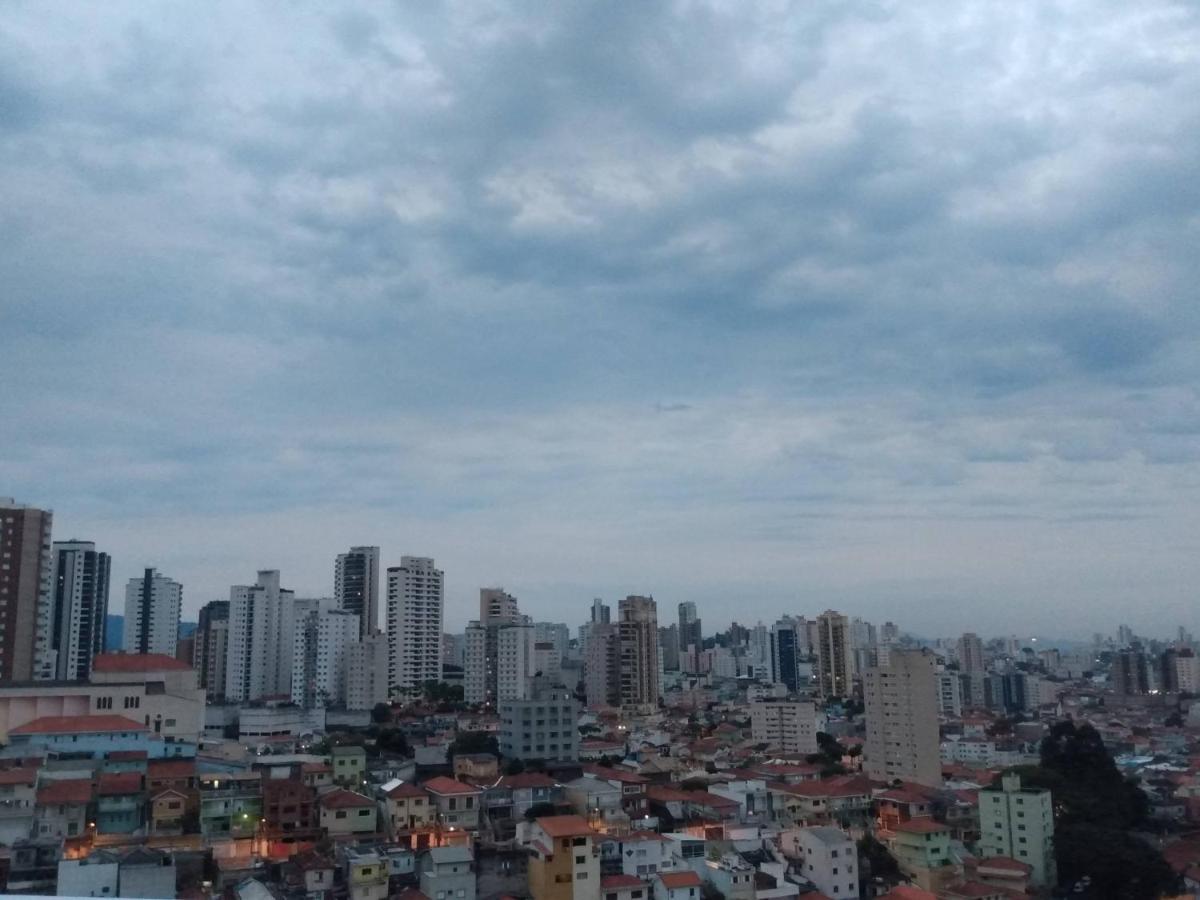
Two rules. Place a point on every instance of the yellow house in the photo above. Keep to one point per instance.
(566, 859)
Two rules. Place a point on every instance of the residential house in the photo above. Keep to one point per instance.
(345, 813)
(598, 801)
(146, 872)
(566, 859)
(682, 885)
(829, 859)
(230, 804)
(507, 801)
(366, 874)
(922, 851)
(448, 873)
(96, 875)
(410, 815)
(457, 804)
(289, 811)
(316, 775)
(476, 766)
(349, 765)
(168, 809)
(17, 796)
(634, 801)
(119, 803)
(310, 875)
(624, 887)
(61, 807)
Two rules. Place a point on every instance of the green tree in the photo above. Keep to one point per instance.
(473, 742)
(514, 767)
(875, 861)
(540, 810)
(1121, 866)
(381, 714)
(393, 740)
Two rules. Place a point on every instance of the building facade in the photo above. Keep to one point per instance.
(211, 647)
(152, 606)
(414, 622)
(638, 629)
(903, 738)
(356, 586)
(259, 651)
(1018, 822)
(25, 587)
(319, 656)
(835, 655)
(541, 726)
(789, 727)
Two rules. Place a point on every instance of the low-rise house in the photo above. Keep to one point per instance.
(316, 775)
(510, 797)
(730, 874)
(347, 813)
(922, 851)
(682, 885)
(829, 859)
(96, 735)
(61, 807)
(125, 761)
(309, 874)
(634, 801)
(786, 773)
(366, 874)
(17, 796)
(624, 887)
(410, 815)
(644, 854)
(476, 766)
(448, 873)
(119, 803)
(176, 774)
(846, 798)
(230, 804)
(168, 809)
(457, 804)
(349, 765)
(566, 859)
(900, 804)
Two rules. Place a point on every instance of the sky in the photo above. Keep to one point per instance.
(882, 306)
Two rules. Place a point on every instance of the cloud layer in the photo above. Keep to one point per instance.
(889, 306)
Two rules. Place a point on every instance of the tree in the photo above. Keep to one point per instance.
(473, 742)
(393, 740)
(1121, 866)
(875, 861)
(381, 714)
(514, 767)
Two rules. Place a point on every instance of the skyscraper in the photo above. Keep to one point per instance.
(319, 656)
(356, 586)
(835, 658)
(602, 667)
(638, 629)
(970, 653)
(25, 586)
(152, 604)
(78, 608)
(901, 707)
(601, 614)
(481, 672)
(261, 630)
(211, 647)
(415, 601)
(690, 640)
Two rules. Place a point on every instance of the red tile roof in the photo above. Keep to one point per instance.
(921, 825)
(18, 776)
(403, 791)
(171, 768)
(342, 799)
(115, 783)
(907, 892)
(679, 879)
(68, 791)
(565, 826)
(78, 725)
(136, 662)
(444, 785)
(126, 755)
(973, 889)
(1004, 863)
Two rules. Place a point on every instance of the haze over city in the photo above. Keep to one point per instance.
(888, 307)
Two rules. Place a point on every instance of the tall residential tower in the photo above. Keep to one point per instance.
(25, 583)
(152, 605)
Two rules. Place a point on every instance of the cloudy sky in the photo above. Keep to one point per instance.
(887, 306)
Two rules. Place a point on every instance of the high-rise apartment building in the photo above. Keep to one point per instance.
(152, 606)
(785, 654)
(542, 725)
(1018, 822)
(415, 599)
(668, 648)
(367, 672)
(258, 661)
(949, 692)
(901, 701)
(212, 647)
(356, 586)
(25, 587)
(481, 672)
(516, 660)
(835, 656)
(970, 653)
(638, 629)
(78, 608)
(601, 614)
(319, 654)
(787, 726)
(497, 605)
(691, 640)
(602, 667)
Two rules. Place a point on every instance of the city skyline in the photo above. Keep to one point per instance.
(854, 306)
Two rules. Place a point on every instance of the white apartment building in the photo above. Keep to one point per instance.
(1018, 822)
(415, 601)
(830, 861)
(366, 672)
(902, 719)
(356, 586)
(515, 660)
(475, 663)
(152, 606)
(259, 656)
(788, 726)
(949, 693)
(1187, 671)
(319, 655)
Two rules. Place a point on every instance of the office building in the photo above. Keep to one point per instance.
(25, 587)
(261, 629)
(415, 599)
(319, 656)
(1018, 822)
(542, 725)
(835, 656)
(638, 629)
(903, 739)
(212, 647)
(356, 586)
(788, 727)
(78, 608)
(152, 605)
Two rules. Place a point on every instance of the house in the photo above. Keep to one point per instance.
(513, 795)
(644, 854)
(96, 736)
(566, 859)
(448, 873)
(230, 804)
(177, 774)
(61, 807)
(922, 851)
(623, 887)
(119, 803)
(349, 765)
(17, 797)
(410, 815)
(829, 859)
(1003, 872)
(845, 798)
(366, 874)
(347, 813)
(457, 804)
(476, 766)
(289, 811)
(683, 885)
(634, 801)
(900, 804)
(309, 874)
(167, 810)
(316, 775)
(596, 800)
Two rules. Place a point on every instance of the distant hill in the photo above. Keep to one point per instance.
(114, 633)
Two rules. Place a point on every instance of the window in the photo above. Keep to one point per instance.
(340, 814)
(581, 876)
(580, 860)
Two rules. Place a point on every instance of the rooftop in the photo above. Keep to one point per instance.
(679, 879)
(68, 791)
(78, 725)
(444, 785)
(827, 835)
(115, 783)
(137, 662)
(565, 826)
(921, 825)
(343, 799)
